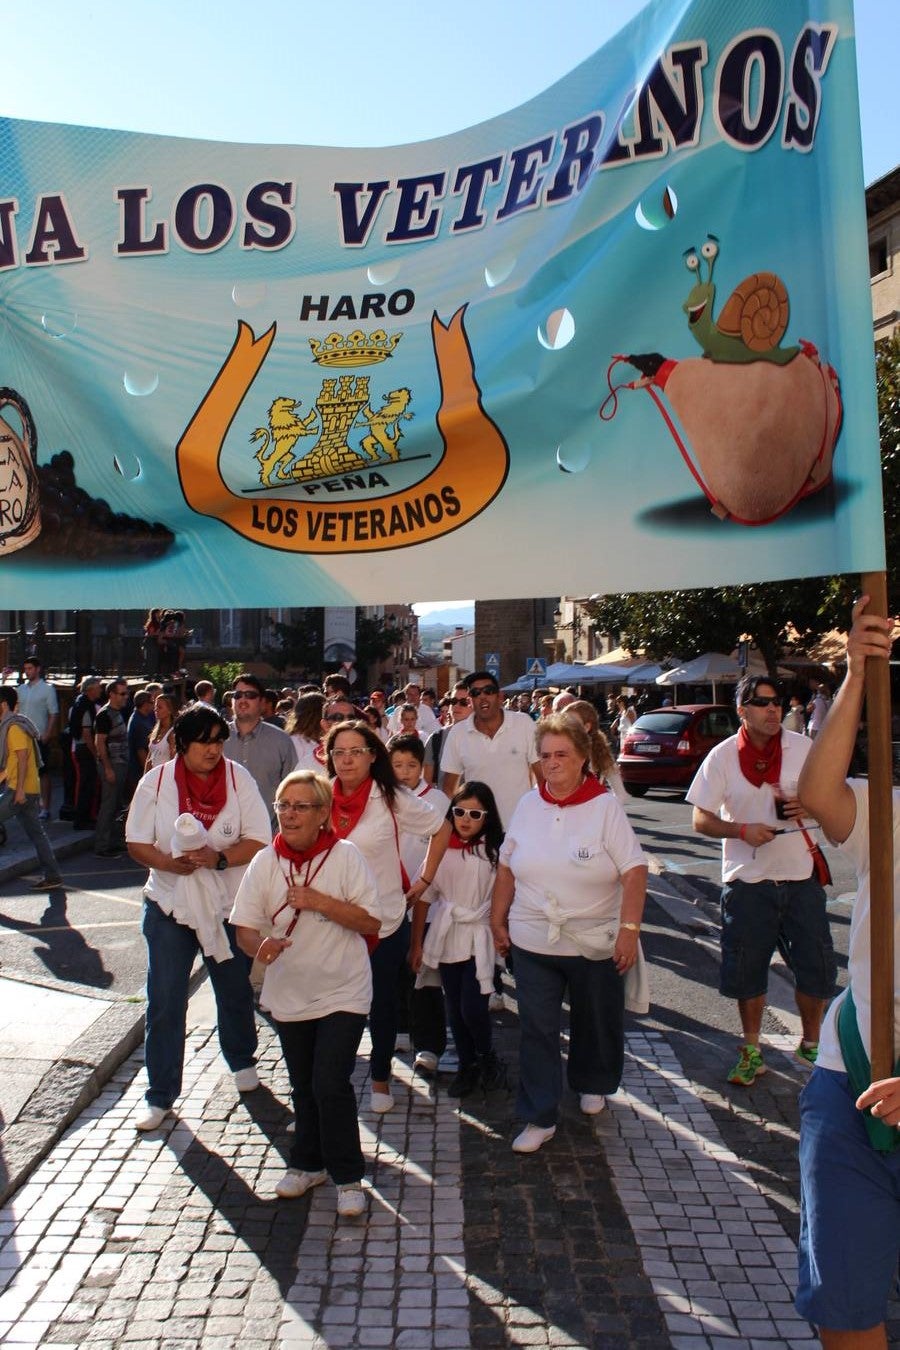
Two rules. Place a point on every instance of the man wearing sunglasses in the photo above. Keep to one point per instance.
(745, 793)
(266, 752)
(459, 707)
(493, 746)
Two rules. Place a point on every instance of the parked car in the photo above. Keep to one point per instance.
(664, 748)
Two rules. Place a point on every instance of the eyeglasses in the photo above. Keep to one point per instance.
(246, 693)
(760, 702)
(460, 702)
(337, 717)
(460, 812)
(351, 753)
(482, 690)
(284, 808)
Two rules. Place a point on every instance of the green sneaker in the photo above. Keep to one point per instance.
(749, 1067)
(807, 1054)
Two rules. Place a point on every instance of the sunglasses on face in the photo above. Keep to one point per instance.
(246, 693)
(338, 717)
(474, 813)
(759, 702)
(482, 690)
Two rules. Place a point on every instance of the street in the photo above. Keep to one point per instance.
(670, 1220)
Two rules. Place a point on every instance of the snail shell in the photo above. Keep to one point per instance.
(757, 312)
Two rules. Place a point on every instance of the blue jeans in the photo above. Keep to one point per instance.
(320, 1056)
(387, 963)
(596, 994)
(26, 813)
(171, 949)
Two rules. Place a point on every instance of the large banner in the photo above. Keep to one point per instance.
(618, 339)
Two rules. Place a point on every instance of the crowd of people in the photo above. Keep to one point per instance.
(385, 861)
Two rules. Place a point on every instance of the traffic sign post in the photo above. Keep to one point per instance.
(536, 668)
(492, 664)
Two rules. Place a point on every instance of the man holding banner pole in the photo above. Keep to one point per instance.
(850, 1125)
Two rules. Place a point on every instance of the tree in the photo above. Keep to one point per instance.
(299, 643)
(375, 641)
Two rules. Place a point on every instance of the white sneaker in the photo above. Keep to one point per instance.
(532, 1137)
(246, 1080)
(381, 1102)
(401, 1044)
(149, 1117)
(592, 1103)
(495, 1002)
(294, 1184)
(426, 1062)
(351, 1202)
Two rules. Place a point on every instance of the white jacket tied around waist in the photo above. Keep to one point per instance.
(199, 899)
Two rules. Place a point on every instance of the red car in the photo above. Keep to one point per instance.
(664, 748)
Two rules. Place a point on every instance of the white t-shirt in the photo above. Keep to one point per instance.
(377, 841)
(326, 969)
(720, 787)
(426, 722)
(503, 760)
(154, 809)
(307, 757)
(856, 847)
(413, 847)
(463, 881)
(567, 859)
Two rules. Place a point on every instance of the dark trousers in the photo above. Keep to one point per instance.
(111, 794)
(387, 960)
(320, 1056)
(428, 1021)
(171, 949)
(596, 994)
(467, 1010)
(85, 785)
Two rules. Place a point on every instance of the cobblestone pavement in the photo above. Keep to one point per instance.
(640, 1228)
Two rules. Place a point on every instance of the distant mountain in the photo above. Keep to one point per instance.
(448, 619)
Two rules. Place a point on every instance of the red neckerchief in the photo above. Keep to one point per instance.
(302, 857)
(347, 807)
(298, 856)
(319, 753)
(759, 766)
(202, 798)
(589, 788)
(467, 845)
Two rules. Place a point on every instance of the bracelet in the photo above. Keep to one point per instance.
(742, 833)
(631, 927)
(259, 949)
(425, 879)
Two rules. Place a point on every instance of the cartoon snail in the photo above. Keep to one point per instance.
(752, 322)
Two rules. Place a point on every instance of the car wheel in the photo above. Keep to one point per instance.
(636, 789)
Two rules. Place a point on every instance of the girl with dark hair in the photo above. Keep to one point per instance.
(371, 809)
(459, 942)
(603, 761)
(197, 819)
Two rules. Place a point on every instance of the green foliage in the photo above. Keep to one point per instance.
(375, 641)
(300, 644)
(222, 675)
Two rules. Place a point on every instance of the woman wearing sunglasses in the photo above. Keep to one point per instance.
(199, 787)
(304, 910)
(458, 943)
(568, 903)
(372, 810)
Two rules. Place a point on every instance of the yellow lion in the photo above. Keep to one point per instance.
(276, 451)
(385, 432)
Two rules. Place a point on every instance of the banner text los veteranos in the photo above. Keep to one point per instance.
(755, 90)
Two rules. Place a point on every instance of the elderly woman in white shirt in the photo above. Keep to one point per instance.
(568, 903)
(304, 909)
(221, 797)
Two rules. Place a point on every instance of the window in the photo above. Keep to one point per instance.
(230, 626)
(878, 256)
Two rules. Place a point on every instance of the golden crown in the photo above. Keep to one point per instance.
(355, 349)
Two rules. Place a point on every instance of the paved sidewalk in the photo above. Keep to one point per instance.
(639, 1228)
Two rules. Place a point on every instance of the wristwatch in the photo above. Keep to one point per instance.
(221, 863)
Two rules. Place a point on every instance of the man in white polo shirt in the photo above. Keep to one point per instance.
(492, 746)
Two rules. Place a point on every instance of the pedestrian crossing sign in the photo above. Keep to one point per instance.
(536, 667)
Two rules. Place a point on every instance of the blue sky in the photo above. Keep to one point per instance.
(353, 74)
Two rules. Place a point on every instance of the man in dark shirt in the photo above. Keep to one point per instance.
(84, 753)
(111, 741)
